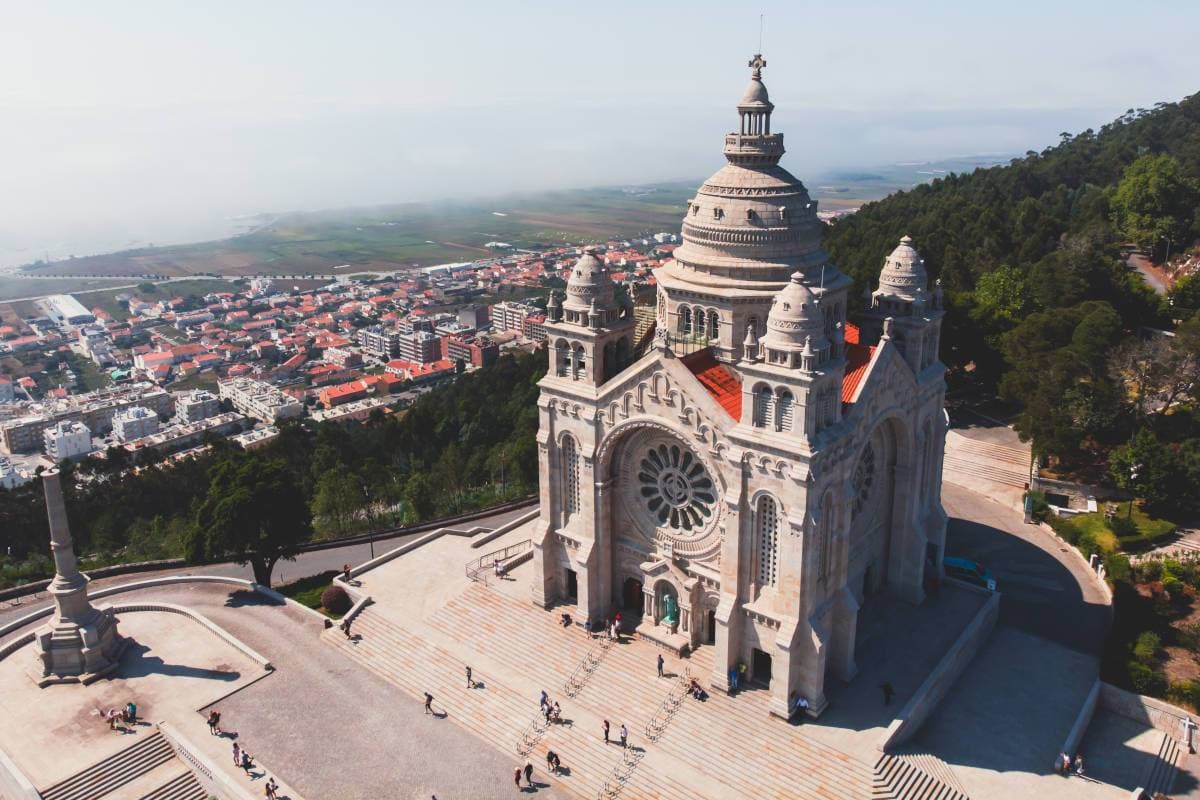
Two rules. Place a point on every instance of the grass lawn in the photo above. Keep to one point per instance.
(201, 380)
(1149, 528)
(307, 591)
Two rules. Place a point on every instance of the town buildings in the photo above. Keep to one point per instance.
(196, 405)
(134, 423)
(67, 439)
(260, 400)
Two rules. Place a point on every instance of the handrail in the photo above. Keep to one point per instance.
(662, 716)
(584, 669)
(475, 567)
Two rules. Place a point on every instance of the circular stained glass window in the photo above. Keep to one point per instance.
(676, 487)
(864, 479)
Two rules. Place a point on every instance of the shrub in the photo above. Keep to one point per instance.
(1117, 567)
(1146, 680)
(1064, 529)
(1123, 527)
(336, 600)
(1149, 571)
(1173, 587)
(1185, 693)
(1146, 647)
(1038, 506)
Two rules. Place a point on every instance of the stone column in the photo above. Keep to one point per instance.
(845, 630)
(80, 643)
(906, 556)
(729, 614)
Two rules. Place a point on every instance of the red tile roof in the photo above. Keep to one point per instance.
(718, 380)
(858, 358)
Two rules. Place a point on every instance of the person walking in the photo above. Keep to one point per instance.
(624, 736)
(660, 665)
(606, 731)
(1079, 765)
(214, 722)
(888, 693)
(550, 756)
(545, 699)
(428, 703)
(272, 789)
(346, 572)
(470, 682)
(345, 626)
(528, 772)
(237, 754)
(517, 776)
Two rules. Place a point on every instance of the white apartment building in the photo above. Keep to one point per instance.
(10, 476)
(196, 405)
(67, 439)
(259, 399)
(134, 423)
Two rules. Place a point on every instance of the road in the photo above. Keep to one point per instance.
(1045, 589)
(306, 564)
(1152, 275)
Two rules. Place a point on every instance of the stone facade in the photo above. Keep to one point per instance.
(744, 485)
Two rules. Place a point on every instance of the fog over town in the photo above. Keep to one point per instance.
(124, 125)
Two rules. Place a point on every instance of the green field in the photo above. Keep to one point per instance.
(12, 288)
(119, 309)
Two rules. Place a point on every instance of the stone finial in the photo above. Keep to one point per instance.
(888, 328)
(756, 65)
(750, 344)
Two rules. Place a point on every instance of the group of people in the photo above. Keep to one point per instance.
(624, 734)
(1065, 766)
(551, 711)
(126, 715)
(610, 629)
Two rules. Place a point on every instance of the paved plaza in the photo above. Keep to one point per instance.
(344, 718)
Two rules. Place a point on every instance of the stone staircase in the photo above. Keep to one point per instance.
(516, 650)
(115, 772)
(971, 460)
(1161, 774)
(183, 787)
(915, 776)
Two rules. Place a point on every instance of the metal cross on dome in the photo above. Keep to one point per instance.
(757, 63)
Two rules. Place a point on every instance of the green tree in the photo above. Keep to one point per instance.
(254, 512)
(1149, 469)
(1155, 200)
(337, 500)
(1002, 294)
(419, 497)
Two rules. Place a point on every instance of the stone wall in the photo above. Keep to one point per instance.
(935, 687)
(1157, 714)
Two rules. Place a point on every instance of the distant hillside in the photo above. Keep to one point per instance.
(1045, 227)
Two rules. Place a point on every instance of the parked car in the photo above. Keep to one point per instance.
(970, 571)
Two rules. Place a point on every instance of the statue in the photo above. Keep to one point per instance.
(670, 615)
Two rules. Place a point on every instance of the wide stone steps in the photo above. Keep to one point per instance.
(114, 772)
(1007, 476)
(1162, 773)
(183, 787)
(735, 737)
(914, 777)
(1016, 456)
(496, 713)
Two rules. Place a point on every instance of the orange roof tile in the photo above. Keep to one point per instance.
(718, 380)
(858, 358)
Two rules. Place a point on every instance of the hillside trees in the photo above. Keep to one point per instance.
(1156, 201)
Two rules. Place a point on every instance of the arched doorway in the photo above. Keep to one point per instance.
(632, 599)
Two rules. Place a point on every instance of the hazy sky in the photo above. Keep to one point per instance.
(160, 120)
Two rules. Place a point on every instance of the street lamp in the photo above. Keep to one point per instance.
(1133, 473)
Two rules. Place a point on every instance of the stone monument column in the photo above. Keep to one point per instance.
(80, 643)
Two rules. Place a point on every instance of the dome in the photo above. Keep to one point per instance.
(795, 317)
(903, 272)
(755, 94)
(589, 283)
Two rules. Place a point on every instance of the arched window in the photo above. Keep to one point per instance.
(580, 364)
(713, 324)
(762, 406)
(766, 521)
(825, 539)
(783, 414)
(562, 352)
(685, 320)
(570, 475)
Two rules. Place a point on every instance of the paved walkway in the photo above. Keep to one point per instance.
(305, 565)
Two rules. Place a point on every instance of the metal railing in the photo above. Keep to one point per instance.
(488, 561)
(587, 666)
(662, 716)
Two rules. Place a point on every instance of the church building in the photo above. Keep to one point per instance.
(748, 472)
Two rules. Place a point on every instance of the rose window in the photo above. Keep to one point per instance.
(864, 480)
(676, 487)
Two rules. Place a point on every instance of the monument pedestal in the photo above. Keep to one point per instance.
(661, 635)
(72, 652)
